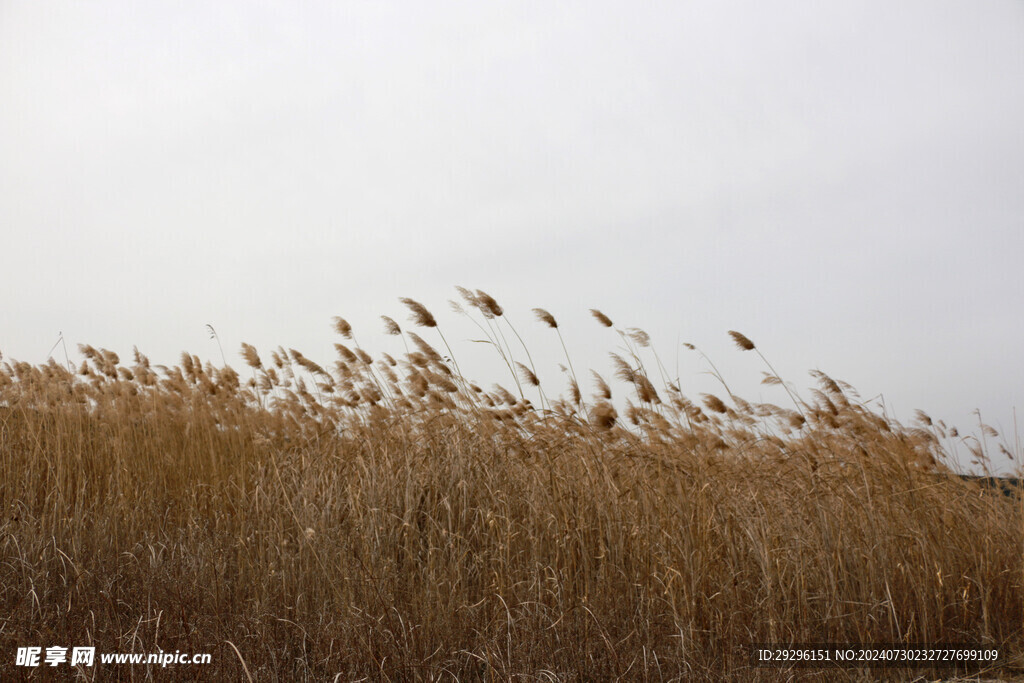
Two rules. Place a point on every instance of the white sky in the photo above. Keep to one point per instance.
(843, 182)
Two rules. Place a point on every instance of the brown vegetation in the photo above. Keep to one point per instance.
(388, 519)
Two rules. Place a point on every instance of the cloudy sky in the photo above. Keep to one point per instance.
(843, 182)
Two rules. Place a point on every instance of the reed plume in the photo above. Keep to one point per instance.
(419, 313)
(601, 317)
(342, 327)
(545, 318)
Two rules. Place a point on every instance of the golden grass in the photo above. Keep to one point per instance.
(390, 519)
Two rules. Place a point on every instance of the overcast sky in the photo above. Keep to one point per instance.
(843, 182)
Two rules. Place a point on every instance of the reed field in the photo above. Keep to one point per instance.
(386, 518)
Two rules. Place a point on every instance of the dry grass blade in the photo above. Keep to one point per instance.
(245, 667)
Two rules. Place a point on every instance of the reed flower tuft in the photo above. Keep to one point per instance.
(714, 403)
(546, 317)
(603, 415)
(342, 327)
(528, 375)
(487, 301)
(741, 341)
(601, 317)
(639, 337)
(419, 313)
(251, 357)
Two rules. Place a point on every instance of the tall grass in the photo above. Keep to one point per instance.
(383, 518)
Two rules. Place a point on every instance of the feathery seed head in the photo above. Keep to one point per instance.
(140, 359)
(545, 317)
(603, 415)
(623, 370)
(639, 337)
(714, 403)
(742, 342)
(342, 327)
(345, 353)
(252, 359)
(425, 348)
(601, 317)
(419, 313)
(574, 390)
(645, 390)
(528, 375)
(487, 301)
(830, 384)
(503, 395)
(469, 297)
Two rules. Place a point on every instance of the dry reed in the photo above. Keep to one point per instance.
(388, 519)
